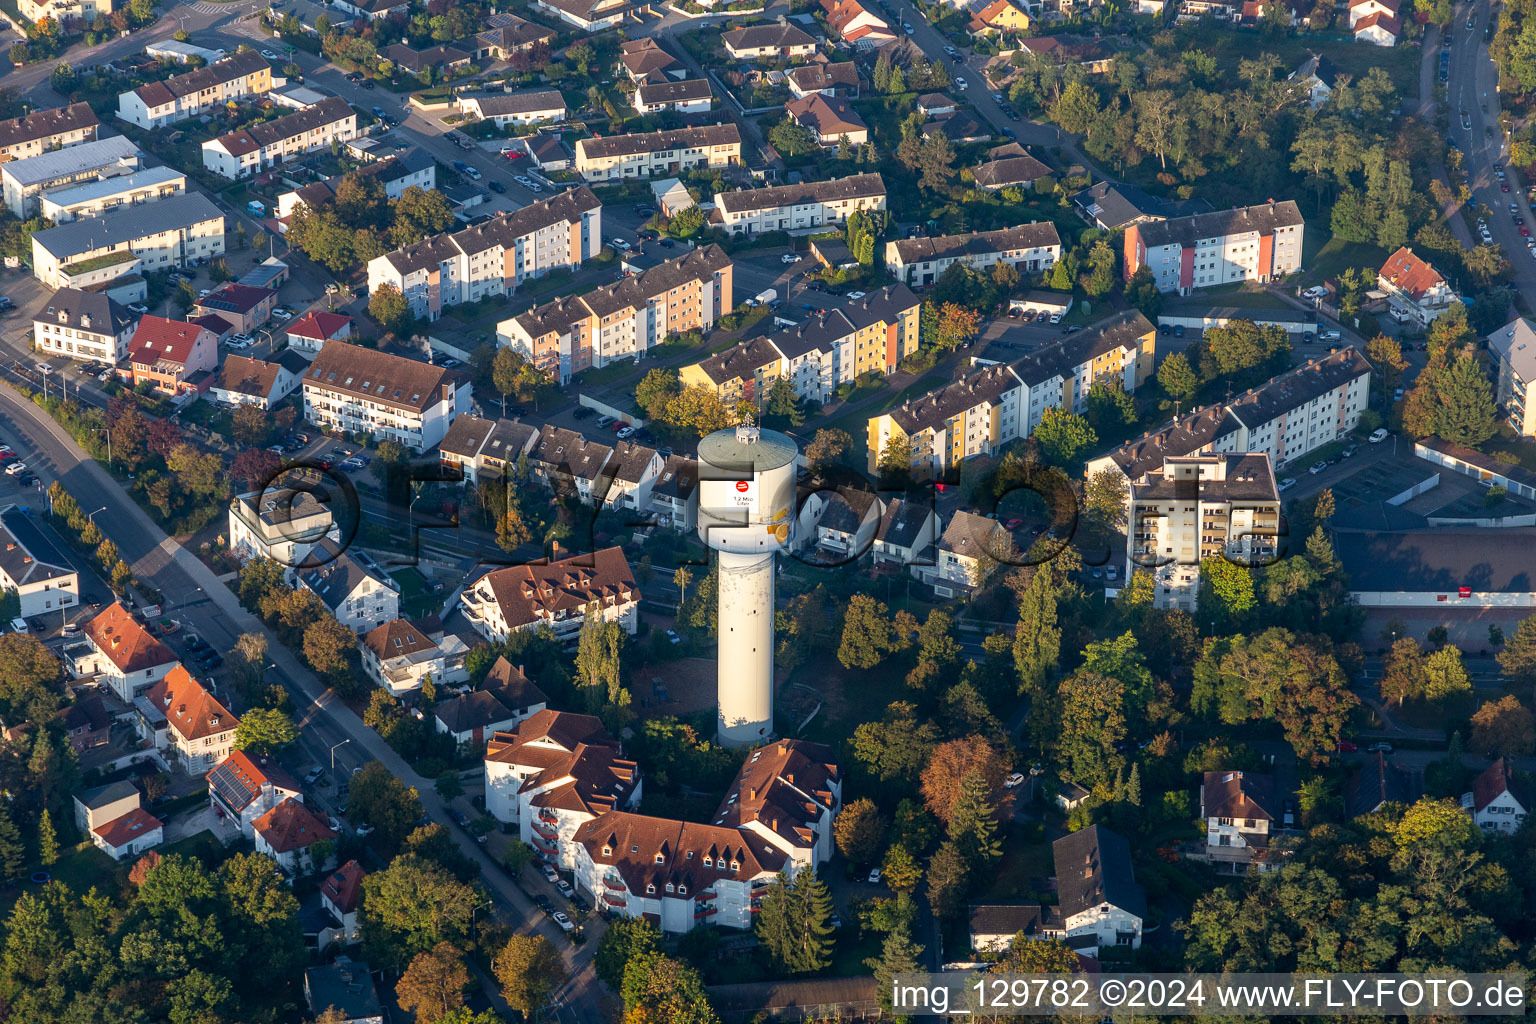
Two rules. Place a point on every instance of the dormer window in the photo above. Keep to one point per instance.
(661, 859)
(669, 887)
(682, 890)
(735, 866)
(650, 888)
(607, 851)
(708, 862)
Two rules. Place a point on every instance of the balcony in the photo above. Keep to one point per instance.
(543, 843)
(613, 901)
(700, 913)
(546, 831)
(549, 816)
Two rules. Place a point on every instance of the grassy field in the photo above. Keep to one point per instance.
(415, 597)
(1026, 857)
(1325, 256)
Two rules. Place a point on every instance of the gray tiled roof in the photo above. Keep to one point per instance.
(1122, 330)
(1263, 218)
(63, 162)
(79, 308)
(41, 124)
(855, 186)
(25, 554)
(1035, 235)
(654, 142)
(1093, 866)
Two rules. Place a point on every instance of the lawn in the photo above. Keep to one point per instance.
(416, 597)
(204, 847)
(1026, 858)
(80, 868)
(1325, 259)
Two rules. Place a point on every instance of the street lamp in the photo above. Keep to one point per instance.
(92, 516)
(333, 754)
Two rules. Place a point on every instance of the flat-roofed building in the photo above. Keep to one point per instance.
(128, 240)
(249, 151)
(1028, 248)
(42, 130)
(812, 204)
(241, 74)
(388, 396)
(1514, 348)
(280, 524)
(658, 153)
(97, 197)
(26, 180)
(86, 325)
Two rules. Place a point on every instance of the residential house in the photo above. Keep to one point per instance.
(41, 575)
(689, 96)
(281, 524)
(743, 373)
(242, 74)
(1359, 10)
(128, 240)
(526, 106)
(1028, 248)
(259, 382)
(371, 10)
(1119, 350)
(645, 61)
(1196, 507)
(98, 805)
(857, 26)
(675, 493)
(479, 446)
(85, 723)
(995, 926)
(559, 595)
(442, 59)
(1100, 899)
(837, 524)
(795, 207)
(246, 788)
(495, 257)
(788, 793)
(832, 79)
(342, 897)
(568, 463)
(506, 698)
(968, 551)
(1317, 76)
(1110, 206)
(645, 155)
(97, 197)
(361, 596)
(129, 835)
(764, 41)
(1250, 243)
(240, 154)
(507, 34)
(407, 169)
(123, 654)
(1011, 172)
(345, 984)
(625, 319)
(86, 325)
(388, 396)
(934, 104)
(198, 729)
(243, 307)
(999, 17)
(833, 121)
(42, 130)
(591, 15)
(1416, 293)
(309, 333)
(1374, 785)
(399, 656)
(547, 152)
(26, 180)
(961, 129)
(1241, 816)
(1513, 346)
(971, 416)
(172, 355)
(908, 528)
(1498, 801)
(288, 833)
(629, 475)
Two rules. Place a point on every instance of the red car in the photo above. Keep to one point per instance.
(1346, 747)
(1503, 186)
(1013, 524)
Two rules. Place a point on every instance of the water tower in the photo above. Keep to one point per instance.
(746, 515)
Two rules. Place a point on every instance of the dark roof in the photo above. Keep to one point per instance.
(1484, 462)
(699, 264)
(855, 186)
(677, 479)
(833, 251)
(825, 76)
(825, 116)
(236, 65)
(1093, 866)
(503, 230)
(507, 692)
(740, 361)
(653, 142)
(903, 522)
(126, 223)
(568, 452)
(469, 436)
(1249, 477)
(1263, 218)
(757, 36)
(1237, 795)
(933, 410)
(1374, 783)
(1115, 205)
(1035, 235)
(1317, 65)
(87, 311)
(86, 713)
(1120, 331)
(345, 985)
(42, 124)
(268, 133)
(1440, 561)
(335, 581)
(957, 127)
(1015, 170)
(643, 58)
(25, 554)
(101, 796)
(1008, 918)
(524, 101)
(629, 462)
(845, 510)
(379, 377)
(689, 89)
(416, 60)
(235, 298)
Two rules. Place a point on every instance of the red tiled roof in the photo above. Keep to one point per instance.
(1405, 271)
(634, 842)
(126, 643)
(291, 826)
(344, 887)
(238, 779)
(785, 787)
(119, 832)
(825, 117)
(191, 710)
(1493, 782)
(320, 325)
(556, 732)
(159, 339)
(523, 592)
(1387, 22)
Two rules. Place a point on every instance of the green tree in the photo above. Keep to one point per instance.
(599, 664)
(948, 878)
(411, 906)
(859, 831)
(900, 869)
(1064, 436)
(1037, 637)
(792, 139)
(795, 924)
(48, 839)
(1226, 590)
(1092, 721)
(1178, 378)
(264, 730)
(973, 824)
(659, 988)
(1444, 675)
(13, 854)
(383, 801)
(625, 940)
(528, 968)
(1517, 660)
(898, 955)
(387, 306)
(868, 635)
(1465, 412)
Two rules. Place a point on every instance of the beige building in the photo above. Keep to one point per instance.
(252, 150)
(795, 207)
(42, 130)
(82, 325)
(1196, 507)
(242, 74)
(71, 14)
(1028, 248)
(284, 525)
(129, 240)
(658, 153)
(188, 722)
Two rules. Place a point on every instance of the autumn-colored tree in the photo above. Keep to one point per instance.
(434, 983)
(859, 830)
(528, 968)
(947, 768)
(1503, 728)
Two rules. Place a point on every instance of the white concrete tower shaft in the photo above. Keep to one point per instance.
(745, 670)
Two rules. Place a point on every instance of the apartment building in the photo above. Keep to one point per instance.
(390, 397)
(1241, 815)
(172, 355)
(43, 130)
(485, 450)
(1513, 346)
(26, 180)
(280, 524)
(553, 772)
(400, 656)
(690, 96)
(1416, 292)
(1285, 418)
(180, 716)
(240, 75)
(493, 258)
(359, 593)
(246, 789)
(259, 382)
(43, 578)
(132, 239)
(123, 655)
(745, 372)
(252, 150)
(763, 41)
(97, 197)
(653, 154)
(1194, 507)
(88, 326)
(796, 207)
(527, 106)
(1028, 248)
(73, 15)
(559, 595)
(1248, 243)
(625, 319)
(1119, 350)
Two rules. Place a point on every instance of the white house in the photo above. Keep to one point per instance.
(1416, 291)
(25, 181)
(675, 493)
(907, 529)
(40, 574)
(527, 106)
(123, 654)
(994, 926)
(505, 698)
(129, 835)
(690, 96)
(259, 382)
(559, 595)
(309, 334)
(360, 594)
(1101, 904)
(1498, 803)
(179, 714)
(342, 895)
(101, 804)
(352, 388)
(399, 656)
(246, 788)
(156, 104)
(288, 832)
(968, 551)
(280, 524)
(86, 325)
(1240, 816)
(240, 154)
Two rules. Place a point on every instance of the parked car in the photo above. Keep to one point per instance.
(563, 921)
(1317, 467)
(1378, 435)
(625, 433)
(789, 257)
(315, 775)
(1016, 779)
(874, 876)
(1383, 748)
(550, 874)
(564, 888)
(496, 186)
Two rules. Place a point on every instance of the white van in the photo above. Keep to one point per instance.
(19, 625)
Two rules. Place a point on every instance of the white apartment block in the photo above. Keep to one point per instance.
(42, 577)
(157, 104)
(44, 130)
(132, 239)
(1249, 243)
(528, 106)
(1028, 248)
(98, 197)
(493, 258)
(1285, 418)
(79, 13)
(26, 181)
(283, 525)
(1514, 347)
(558, 595)
(82, 325)
(252, 150)
(796, 207)
(352, 388)
(1196, 507)
(655, 154)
